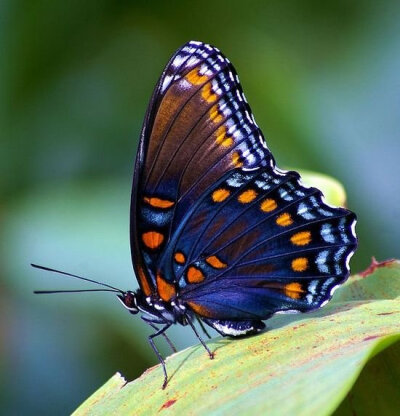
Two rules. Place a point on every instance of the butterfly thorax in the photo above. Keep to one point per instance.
(153, 308)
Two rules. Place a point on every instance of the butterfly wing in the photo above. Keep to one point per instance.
(197, 128)
(212, 216)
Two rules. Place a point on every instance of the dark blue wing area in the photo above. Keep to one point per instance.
(259, 242)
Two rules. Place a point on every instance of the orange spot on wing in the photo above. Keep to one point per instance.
(247, 196)
(215, 115)
(200, 310)
(194, 275)
(152, 239)
(301, 239)
(179, 257)
(300, 264)
(293, 290)
(284, 220)
(158, 203)
(208, 94)
(195, 78)
(222, 139)
(214, 261)
(144, 282)
(268, 205)
(165, 289)
(220, 195)
(237, 160)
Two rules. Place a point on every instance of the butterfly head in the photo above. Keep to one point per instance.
(129, 300)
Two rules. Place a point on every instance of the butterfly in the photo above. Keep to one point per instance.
(220, 234)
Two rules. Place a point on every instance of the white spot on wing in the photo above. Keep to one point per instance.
(166, 82)
(285, 195)
(184, 84)
(179, 60)
(321, 261)
(262, 185)
(339, 253)
(334, 289)
(304, 212)
(349, 256)
(353, 228)
(326, 233)
(313, 286)
(226, 329)
(287, 312)
(193, 61)
(247, 169)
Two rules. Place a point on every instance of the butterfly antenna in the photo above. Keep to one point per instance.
(48, 269)
(46, 292)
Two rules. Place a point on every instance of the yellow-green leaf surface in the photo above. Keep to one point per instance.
(301, 365)
(332, 189)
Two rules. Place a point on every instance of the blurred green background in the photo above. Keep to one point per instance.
(75, 80)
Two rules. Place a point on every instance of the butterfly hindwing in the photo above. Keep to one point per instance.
(266, 244)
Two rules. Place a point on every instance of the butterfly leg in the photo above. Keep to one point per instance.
(189, 320)
(149, 322)
(173, 348)
(153, 345)
(203, 328)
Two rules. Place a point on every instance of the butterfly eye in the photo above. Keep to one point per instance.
(128, 299)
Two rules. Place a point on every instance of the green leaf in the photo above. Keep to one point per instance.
(303, 364)
(377, 390)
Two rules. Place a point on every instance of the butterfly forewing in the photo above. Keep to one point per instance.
(214, 221)
(198, 128)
